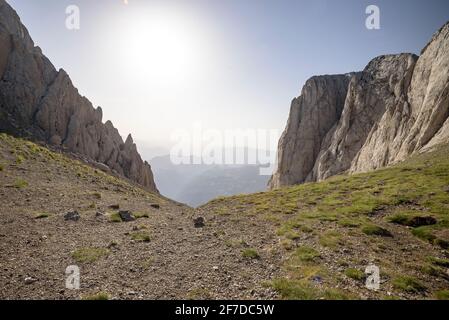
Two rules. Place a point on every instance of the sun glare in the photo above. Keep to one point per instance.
(162, 48)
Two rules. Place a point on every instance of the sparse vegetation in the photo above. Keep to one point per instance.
(41, 215)
(408, 284)
(439, 262)
(330, 239)
(250, 253)
(373, 230)
(115, 217)
(139, 215)
(306, 254)
(299, 290)
(323, 230)
(89, 255)
(20, 183)
(412, 219)
(20, 159)
(199, 294)
(442, 295)
(295, 290)
(141, 236)
(355, 274)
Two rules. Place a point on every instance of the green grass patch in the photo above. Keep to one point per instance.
(408, 284)
(301, 290)
(295, 290)
(20, 159)
(374, 230)
(439, 262)
(115, 217)
(250, 253)
(442, 295)
(349, 223)
(141, 236)
(412, 219)
(89, 255)
(330, 239)
(355, 274)
(306, 254)
(20, 184)
(140, 215)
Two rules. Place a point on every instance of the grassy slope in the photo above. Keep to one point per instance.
(310, 241)
(330, 231)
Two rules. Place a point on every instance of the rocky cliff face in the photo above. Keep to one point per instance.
(312, 116)
(397, 106)
(41, 103)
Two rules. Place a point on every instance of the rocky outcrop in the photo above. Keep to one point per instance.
(372, 94)
(312, 115)
(397, 106)
(41, 103)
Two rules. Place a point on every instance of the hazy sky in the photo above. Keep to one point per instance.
(157, 66)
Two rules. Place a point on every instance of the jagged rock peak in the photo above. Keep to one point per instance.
(41, 103)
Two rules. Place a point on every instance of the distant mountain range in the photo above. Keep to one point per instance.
(196, 184)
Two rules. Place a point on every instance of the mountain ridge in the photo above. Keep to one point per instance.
(41, 103)
(397, 106)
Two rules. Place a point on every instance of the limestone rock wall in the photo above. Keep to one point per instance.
(40, 102)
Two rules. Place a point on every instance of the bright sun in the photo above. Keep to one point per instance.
(160, 48)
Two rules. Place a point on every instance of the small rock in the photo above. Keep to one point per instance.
(317, 279)
(215, 268)
(72, 216)
(99, 214)
(126, 216)
(30, 280)
(155, 206)
(114, 206)
(199, 222)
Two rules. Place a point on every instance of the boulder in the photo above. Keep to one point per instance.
(126, 216)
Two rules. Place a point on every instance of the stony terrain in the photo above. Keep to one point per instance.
(159, 255)
(82, 196)
(311, 241)
(396, 107)
(42, 104)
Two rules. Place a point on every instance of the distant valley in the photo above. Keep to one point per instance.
(197, 184)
